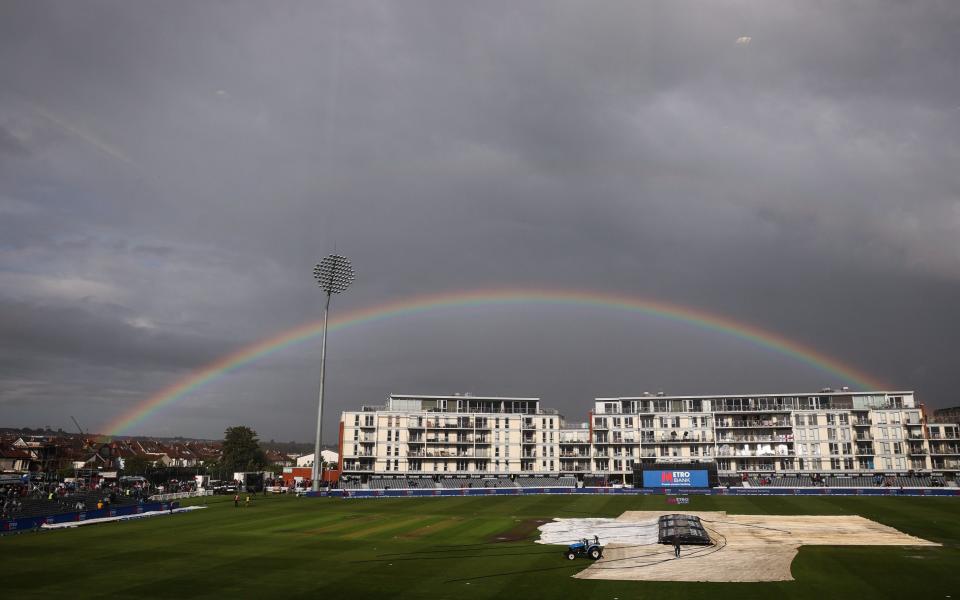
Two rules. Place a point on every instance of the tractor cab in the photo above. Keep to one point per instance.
(585, 547)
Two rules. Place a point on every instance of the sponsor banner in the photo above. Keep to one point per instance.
(121, 511)
(672, 479)
(647, 492)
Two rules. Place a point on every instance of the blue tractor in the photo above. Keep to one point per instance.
(590, 549)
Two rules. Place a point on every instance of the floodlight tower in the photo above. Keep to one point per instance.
(334, 274)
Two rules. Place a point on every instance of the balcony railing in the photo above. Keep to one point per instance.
(752, 424)
(728, 439)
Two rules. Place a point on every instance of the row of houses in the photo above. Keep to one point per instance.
(58, 452)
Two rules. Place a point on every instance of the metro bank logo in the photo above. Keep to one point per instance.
(675, 477)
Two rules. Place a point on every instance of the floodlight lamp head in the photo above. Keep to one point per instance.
(334, 274)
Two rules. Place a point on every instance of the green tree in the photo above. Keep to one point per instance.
(241, 450)
(135, 465)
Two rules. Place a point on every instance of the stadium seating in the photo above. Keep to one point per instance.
(498, 482)
(544, 481)
(351, 484)
(33, 506)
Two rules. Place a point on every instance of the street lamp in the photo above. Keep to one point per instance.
(334, 274)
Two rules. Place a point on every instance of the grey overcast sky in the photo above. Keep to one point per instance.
(170, 171)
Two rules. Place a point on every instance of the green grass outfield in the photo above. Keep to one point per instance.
(288, 547)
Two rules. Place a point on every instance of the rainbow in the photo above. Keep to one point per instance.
(421, 304)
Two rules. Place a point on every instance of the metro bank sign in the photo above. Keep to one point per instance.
(655, 479)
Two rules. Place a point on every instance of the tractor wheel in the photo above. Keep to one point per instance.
(594, 553)
(571, 556)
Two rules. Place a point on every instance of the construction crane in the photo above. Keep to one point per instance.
(80, 429)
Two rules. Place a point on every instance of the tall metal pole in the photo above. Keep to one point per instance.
(334, 274)
(317, 452)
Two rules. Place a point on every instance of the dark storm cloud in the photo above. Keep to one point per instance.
(10, 144)
(170, 171)
(101, 337)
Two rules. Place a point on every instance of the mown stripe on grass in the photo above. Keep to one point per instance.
(435, 526)
(387, 526)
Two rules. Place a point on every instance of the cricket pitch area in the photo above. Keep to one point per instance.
(744, 547)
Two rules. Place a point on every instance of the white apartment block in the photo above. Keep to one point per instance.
(450, 435)
(822, 432)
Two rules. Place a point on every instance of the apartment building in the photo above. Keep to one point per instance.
(827, 431)
(449, 435)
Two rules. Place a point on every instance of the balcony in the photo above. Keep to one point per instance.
(753, 453)
(356, 467)
(729, 439)
(738, 424)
